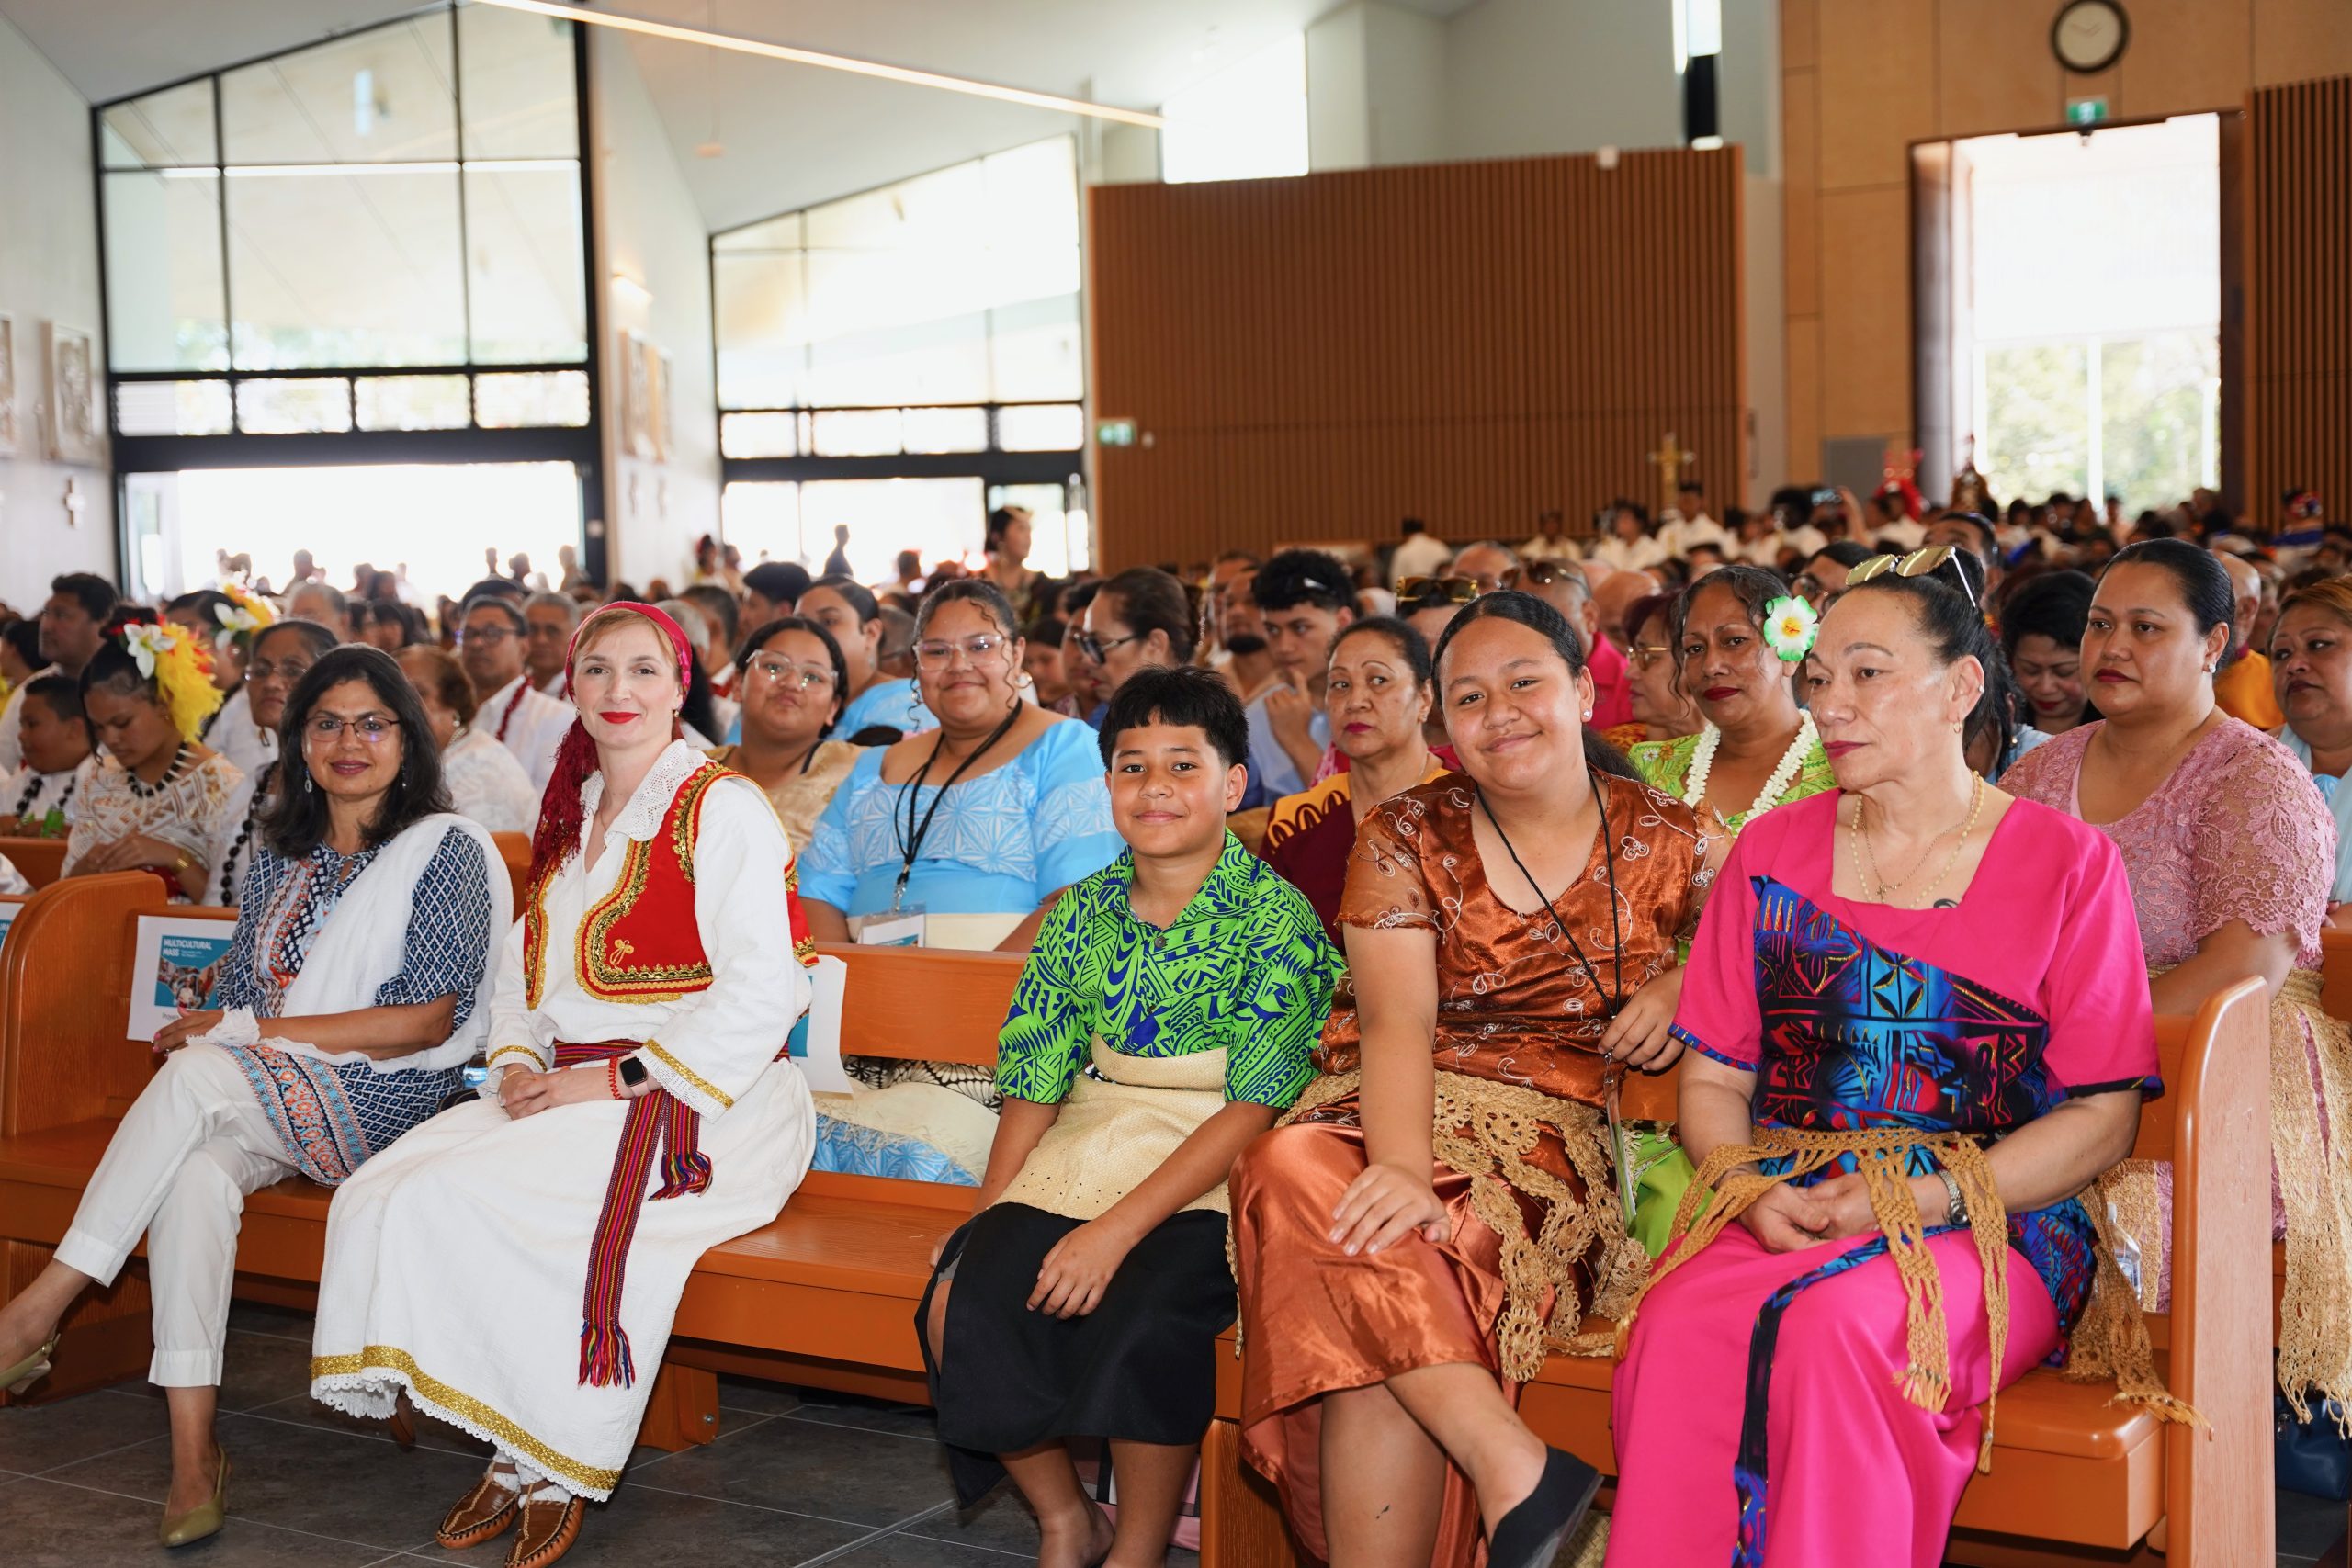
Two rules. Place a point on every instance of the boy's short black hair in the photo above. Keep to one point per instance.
(1304, 576)
(1184, 697)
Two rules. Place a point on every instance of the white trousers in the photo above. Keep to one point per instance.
(194, 1142)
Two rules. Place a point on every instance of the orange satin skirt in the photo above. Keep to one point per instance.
(1316, 1321)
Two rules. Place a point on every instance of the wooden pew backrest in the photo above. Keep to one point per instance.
(515, 850)
(925, 1004)
(65, 981)
(41, 859)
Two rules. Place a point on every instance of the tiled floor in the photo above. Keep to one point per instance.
(795, 1478)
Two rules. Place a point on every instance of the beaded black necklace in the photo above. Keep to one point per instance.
(33, 790)
(245, 832)
(145, 790)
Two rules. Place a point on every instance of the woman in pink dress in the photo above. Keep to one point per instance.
(2232, 854)
(1979, 1021)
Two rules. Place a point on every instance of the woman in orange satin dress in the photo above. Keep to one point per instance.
(1440, 1208)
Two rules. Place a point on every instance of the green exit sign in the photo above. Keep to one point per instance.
(1115, 432)
(2086, 111)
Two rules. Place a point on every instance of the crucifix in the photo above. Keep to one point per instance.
(1671, 458)
(75, 502)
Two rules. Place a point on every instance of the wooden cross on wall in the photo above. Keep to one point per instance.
(1670, 458)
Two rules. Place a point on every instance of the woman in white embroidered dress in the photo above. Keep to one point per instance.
(641, 1008)
(156, 798)
(355, 988)
(485, 781)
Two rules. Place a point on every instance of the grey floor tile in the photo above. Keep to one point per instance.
(42, 1436)
(757, 1397)
(836, 1473)
(2307, 1526)
(48, 1524)
(1002, 1523)
(921, 1551)
(867, 1414)
(299, 1477)
(302, 1410)
(645, 1529)
(257, 1368)
(253, 1317)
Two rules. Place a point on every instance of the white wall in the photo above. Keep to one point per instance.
(649, 231)
(1532, 76)
(49, 272)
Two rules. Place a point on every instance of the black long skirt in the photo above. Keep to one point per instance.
(1141, 1367)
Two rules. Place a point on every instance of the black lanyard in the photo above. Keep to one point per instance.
(1608, 865)
(910, 837)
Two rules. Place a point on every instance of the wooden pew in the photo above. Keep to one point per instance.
(515, 850)
(2073, 1479)
(41, 859)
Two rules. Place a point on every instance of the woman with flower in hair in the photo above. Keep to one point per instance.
(513, 1265)
(1739, 638)
(353, 993)
(226, 620)
(156, 799)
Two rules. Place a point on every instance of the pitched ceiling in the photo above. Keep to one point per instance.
(792, 134)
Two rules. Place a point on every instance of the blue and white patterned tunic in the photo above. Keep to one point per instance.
(330, 1118)
(1001, 841)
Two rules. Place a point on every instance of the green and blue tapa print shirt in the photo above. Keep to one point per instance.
(1245, 966)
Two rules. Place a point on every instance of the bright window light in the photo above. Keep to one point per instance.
(1246, 122)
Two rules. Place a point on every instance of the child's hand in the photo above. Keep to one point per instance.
(1077, 1270)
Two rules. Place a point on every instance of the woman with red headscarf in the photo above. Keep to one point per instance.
(639, 1111)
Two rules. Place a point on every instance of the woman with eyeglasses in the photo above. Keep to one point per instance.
(1662, 709)
(1139, 620)
(282, 653)
(354, 989)
(1756, 748)
(794, 685)
(486, 783)
(962, 836)
(156, 798)
(851, 613)
(2230, 851)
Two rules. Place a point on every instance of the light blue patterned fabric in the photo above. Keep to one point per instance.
(897, 704)
(1001, 842)
(2339, 802)
(868, 1151)
(333, 1118)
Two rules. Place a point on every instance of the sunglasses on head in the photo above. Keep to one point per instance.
(1918, 563)
(1436, 590)
(1540, 573)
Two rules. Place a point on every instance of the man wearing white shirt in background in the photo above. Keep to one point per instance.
(528, 722)
(1629, 546)
(1551, 541)
(1422, 554)
(73, 624)
(1687, 524)
(547, 619)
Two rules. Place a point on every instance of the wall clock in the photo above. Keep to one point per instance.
(2089, 34)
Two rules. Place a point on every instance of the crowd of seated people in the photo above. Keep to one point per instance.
(1348, 889)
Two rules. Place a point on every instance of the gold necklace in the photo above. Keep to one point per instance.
(1975, 807)
(1875, 888)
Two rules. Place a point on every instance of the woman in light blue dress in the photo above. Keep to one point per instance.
(851, 613)
(959, 836)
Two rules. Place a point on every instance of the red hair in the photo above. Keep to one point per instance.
(557, 838)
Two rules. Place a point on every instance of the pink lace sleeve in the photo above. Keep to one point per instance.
(2262, 848)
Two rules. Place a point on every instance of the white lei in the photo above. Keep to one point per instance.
(1702, 762)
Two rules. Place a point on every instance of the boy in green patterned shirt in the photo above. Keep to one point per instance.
(1163, 1019)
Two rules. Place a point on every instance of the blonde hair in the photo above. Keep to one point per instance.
(2333, 596)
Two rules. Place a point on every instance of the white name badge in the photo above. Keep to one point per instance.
(897, 928)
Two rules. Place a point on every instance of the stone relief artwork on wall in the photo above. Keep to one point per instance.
(76, 428)
(7, 387)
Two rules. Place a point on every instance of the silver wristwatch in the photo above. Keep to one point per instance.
(1957, 1211)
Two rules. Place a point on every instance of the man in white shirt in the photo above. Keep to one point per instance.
(548, 619)
(1688, 524)
(1422, 554)
(73, 624)
(1629, 546)
(528, 722)
(1551, 541)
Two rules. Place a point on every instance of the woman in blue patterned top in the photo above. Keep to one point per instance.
(968, 834)
(350, 1000)
(1164, 1019)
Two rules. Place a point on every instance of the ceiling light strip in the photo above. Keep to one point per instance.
(829, 61)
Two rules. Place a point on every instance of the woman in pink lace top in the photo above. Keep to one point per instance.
(2231, 854)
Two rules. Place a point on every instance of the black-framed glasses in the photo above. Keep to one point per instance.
(1436, 590)
(1918, 563)
(489, 637)
(1094, 648)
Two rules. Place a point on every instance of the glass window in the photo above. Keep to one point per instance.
(172, 408)
(1246, 122)
(413, 402)
(306, 406)
(379, 96)
(1058, 544)
(531, 399)
(1044, 427)
(333, 268)
(517, 91)
(164, 301)
(526, 286)
(946, 430)
(761, 519)
(759, 435)
(941, 519)
(166, 129)
(957, 286)
(857, 432)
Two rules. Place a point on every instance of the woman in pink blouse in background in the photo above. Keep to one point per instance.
(2231, 854)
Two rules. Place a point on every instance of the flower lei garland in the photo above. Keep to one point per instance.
(181, 668)
(1784, 773)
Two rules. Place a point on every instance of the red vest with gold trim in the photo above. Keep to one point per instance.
(641, 942)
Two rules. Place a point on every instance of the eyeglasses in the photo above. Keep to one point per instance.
(808, 677)
(370, 727)
(291, 670)
(938, 655)
(1645, 654)
(1436, 590)
(1094, 648)
(1918, 563)
(1540, 573)
(489, 637)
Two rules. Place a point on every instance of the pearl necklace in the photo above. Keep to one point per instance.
(1784, 773)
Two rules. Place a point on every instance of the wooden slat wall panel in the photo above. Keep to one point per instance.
(2298, 406)
(1471, 343)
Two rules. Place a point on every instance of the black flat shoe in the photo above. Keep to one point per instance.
(1531, 1534)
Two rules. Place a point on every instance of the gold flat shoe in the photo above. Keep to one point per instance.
(32, 1369)
(205, 1519)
